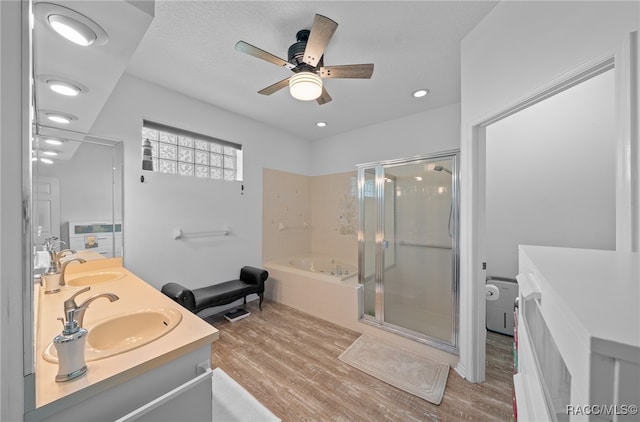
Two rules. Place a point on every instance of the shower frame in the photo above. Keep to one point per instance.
(378, 320)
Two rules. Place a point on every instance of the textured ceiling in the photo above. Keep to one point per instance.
(189, 47)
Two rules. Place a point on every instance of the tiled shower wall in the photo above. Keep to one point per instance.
(309, 215)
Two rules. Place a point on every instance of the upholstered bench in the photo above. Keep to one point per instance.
(251, 281)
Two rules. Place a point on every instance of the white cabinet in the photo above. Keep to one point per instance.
(104, 238)
(578, 335)
(178, 390)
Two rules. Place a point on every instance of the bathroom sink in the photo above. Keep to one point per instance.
(125, 332)
(96, 277)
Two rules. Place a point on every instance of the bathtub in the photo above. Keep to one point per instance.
(336, 269)
(312, 284)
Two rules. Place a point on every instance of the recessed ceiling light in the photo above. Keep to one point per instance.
(420, 93)
(64, 88)
(46, 160)
(62, 85)
(72, 30)
(70, 24)
(58, 117)
(53, 141)
(50, 153)
(321, 124)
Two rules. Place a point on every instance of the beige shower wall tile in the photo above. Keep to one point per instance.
(286, 215)
(335, 216)
(309, 215)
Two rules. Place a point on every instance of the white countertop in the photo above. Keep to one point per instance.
(600, 288)
(190, 334)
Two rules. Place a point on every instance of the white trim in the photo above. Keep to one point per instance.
(166, 398)
(472, 217)
(626, 146)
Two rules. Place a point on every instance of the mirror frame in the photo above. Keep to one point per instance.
(28, 112)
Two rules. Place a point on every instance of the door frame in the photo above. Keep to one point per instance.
(473, 166)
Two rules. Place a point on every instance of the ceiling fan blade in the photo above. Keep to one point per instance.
(275, 87)
(324, 97)
(251, 50)
(321, 33)
(359, 71)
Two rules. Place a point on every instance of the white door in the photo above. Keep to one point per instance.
(46, 191)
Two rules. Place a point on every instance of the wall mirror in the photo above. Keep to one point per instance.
(73, 178)
(77, 196)
(77, 191)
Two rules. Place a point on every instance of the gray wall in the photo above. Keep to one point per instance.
(551, 175)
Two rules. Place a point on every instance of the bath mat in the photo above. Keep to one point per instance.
(401, 368)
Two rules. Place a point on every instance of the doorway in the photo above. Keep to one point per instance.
(473, 328)
(550, 175)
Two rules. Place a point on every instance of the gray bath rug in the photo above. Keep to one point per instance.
(401, 368)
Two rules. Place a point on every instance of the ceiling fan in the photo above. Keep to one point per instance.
(306, 60)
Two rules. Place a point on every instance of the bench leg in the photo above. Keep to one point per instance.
(245, 300)
(260, 304)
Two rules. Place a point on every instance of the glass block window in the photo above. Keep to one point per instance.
(170, 150)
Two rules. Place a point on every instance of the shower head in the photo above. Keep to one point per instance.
(440, 168)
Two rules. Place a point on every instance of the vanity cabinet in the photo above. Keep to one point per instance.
(577, 335)
(179, 390)
(165, 379)
(104, 238)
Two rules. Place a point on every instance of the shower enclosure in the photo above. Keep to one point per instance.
(408, 247)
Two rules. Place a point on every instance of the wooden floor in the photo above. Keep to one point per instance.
(288, 360)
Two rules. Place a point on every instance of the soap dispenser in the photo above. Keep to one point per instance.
(70, 347)
(51, 279)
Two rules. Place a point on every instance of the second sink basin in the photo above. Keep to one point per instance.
(97, 277)
(124, 332)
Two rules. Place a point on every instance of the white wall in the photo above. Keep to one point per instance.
(517, 48)
(86, 183)
(550, 175)
(12, 127)
(423, 133)
(163, 202)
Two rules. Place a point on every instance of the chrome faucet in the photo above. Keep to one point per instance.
(338, 270)
(50, 245)
(57, 256)
(63, 267)
(63, 252)
(75, 311)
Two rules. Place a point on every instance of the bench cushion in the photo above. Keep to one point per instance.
(222, 294)
(251, 281)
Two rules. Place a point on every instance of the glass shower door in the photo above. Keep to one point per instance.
(409, 248)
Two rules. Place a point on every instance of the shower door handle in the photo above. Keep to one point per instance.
(385, 243)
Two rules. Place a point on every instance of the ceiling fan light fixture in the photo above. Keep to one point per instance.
(73, 30)
(305, 86)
